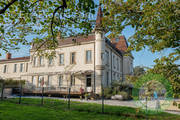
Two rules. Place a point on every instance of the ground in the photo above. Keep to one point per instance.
(30, 109)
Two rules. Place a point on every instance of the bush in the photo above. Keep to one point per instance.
(107, 93)
(179, 106)
(124, 94)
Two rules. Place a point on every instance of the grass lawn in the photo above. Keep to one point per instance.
(30, 109)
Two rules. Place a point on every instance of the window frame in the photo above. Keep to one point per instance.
(86, 57)
(5, 69)
(60, 59)
(71, 58)
(89, 84)
(21, 67)
(15, 68)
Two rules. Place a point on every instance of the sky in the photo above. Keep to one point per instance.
(141, 58)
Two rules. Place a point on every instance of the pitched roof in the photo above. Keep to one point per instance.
(16, 59)
(78, 39)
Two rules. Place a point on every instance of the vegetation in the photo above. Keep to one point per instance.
(44, 20)
(166, 67)
(156, 22)
(118, 89)
(57, 109)
(152, 82)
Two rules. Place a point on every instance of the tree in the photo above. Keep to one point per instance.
(156, 22)
(166, 67)
(43, 19)
(138, 71)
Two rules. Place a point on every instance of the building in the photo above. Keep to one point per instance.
(87, 62)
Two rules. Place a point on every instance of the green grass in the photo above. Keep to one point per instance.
(30, 109)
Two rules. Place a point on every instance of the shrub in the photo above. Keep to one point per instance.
(107, 93)
(174, 103)
(179, 106)
(124, 94)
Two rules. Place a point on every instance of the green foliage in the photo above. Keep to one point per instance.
(152, 77)
(11, 82)
(138, 71)
(156, 22)
(43, 20)
(166, 67)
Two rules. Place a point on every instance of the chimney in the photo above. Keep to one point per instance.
(8, 56)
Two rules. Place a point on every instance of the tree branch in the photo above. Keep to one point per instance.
(55, 11)
(7, 6)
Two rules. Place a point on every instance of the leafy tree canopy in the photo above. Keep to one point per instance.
(166, 67)
(156, 22)
(44, 19)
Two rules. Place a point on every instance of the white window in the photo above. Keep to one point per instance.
(88, 56)
(33, 80)
(49, 82)
(35, 61)
(40, 81)
(26, 67)
(21, 67)
(72, 80)
(107, 57)
(61, 59)
(5, 69)
(15, 68)
(60, 80)
(117, 60)
(50, 60)
(73, 59)
(114, 64)
(41, 60)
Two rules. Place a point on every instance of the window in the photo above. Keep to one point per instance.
(33, 80)
(5, 69)
(40, 81)
(107, 57)
(49, 82)
(50, 61)
(26, 67)
(61, 59)
(41, 60)
(21, 67)
(88, 56)
(114, 64)
(107, 78)
(35, 61)
(117, 60)
(73, 58)
(15, 68)
(60, 80)
(88, 80)
(72, 80)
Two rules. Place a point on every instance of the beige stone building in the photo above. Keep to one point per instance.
(87, 62)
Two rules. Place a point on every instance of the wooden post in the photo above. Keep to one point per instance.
(2, 91)
(42, 96)
(69, 97)
(20, 94)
